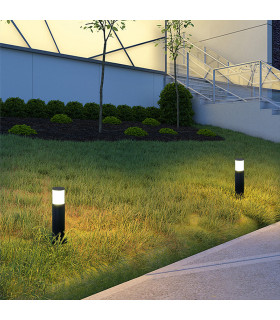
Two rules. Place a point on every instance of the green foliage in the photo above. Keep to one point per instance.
(151, 122)
(61, 118)
(139, 113)
(105, 25)
(36, 108)
(74, 110)
(112, 120)
(167, 103)
(174, 36)
(206, 132)
(55, 107)
(13, 107)
(124, 112)
(22, 129)
(168, 131)
(153, 112)
(91, 110)
(109, 110)
(135, 131)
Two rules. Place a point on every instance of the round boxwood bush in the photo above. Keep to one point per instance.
(22, 129)
(36, 108)
(151, 122)
(112, 120)
(74, 110)
(135, 131)
(109, 110)
(91, 111)
(139, 113)
(206, 132)
(14, 107)
(55, 107)
(168, 107)
(124, 112)
(61, 118)
(168, 131)
(153, 112)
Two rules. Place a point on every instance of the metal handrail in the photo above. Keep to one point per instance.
(206, 53)
(229, 92)
(248, 63)
(240, 64)
(210, 68)
(236, 73)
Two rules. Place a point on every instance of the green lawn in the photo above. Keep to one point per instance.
(131, 207)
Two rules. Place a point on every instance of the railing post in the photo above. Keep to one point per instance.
(227, 81)
(214, 85)
(188, 63)
(260, 87)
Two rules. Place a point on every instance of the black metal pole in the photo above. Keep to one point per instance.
(239, 182)
(58, 218)
(239, 176)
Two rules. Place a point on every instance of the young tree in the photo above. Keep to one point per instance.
(107, 27)
(174, 42)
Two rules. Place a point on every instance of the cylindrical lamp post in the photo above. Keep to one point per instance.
(239, 176)
(58, 212)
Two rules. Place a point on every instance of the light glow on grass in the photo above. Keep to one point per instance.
(132, 207)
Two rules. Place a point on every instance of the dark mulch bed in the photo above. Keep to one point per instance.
(87, 130)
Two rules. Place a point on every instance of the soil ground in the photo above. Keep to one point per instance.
(87, 130)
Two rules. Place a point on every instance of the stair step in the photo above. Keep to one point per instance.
(276, 111)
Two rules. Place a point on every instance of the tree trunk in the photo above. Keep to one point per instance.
(177, 93)
(101, 87)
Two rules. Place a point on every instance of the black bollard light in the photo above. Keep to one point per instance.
(58, 213)
(239, 176)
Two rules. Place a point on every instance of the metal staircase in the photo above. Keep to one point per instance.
(214, 79)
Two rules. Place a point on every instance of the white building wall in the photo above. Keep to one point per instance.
(237, 40)
(246, 117)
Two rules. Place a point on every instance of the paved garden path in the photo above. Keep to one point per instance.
(245, 268)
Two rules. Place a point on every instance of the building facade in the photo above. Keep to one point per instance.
(60, 60)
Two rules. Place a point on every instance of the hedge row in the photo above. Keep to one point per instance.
(36, 108)
(167, 113)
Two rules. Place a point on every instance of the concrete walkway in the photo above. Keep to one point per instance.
(246, 268)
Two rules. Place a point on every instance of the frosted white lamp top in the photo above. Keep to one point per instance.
(58, 195)
(239, 165)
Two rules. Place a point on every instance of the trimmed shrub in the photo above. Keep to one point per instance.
(112, 120)
(168, 131)
(1, 107)
(124, 112)
(206, 132)
(55, 107)
(14, 107)
(153, 112)
(109, 110)
(36, 108)
(167, 103)
(91, 111)
(74, 110)
(151, 122)
(22, 129)
(135, 131)
(61, 118)
(139, 113)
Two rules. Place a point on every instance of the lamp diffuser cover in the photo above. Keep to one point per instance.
(58, 196)
(239, 165)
